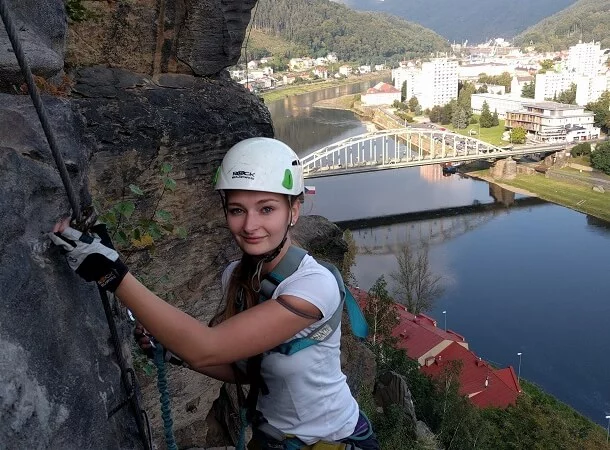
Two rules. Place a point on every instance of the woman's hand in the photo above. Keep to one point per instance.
(91, 255)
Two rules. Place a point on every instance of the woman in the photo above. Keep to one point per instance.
(306, 395)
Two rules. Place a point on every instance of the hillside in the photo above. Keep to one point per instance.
(586, 19)
(321, 26)
(475, 20)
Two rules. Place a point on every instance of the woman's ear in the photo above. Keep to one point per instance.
(296, 210)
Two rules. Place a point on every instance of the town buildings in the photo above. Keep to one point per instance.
(584, 67)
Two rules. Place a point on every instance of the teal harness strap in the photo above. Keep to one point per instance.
(286, 267)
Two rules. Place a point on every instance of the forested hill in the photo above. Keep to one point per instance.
(475, 20)
(321, 26)
(586, 19)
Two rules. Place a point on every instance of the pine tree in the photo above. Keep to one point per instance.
(380, 313)
(486, 119)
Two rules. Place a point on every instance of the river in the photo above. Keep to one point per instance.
(531, 278)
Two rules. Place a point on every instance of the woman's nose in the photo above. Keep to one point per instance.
(251, 223)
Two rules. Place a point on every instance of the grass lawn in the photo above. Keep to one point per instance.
(579, 198)
(491, 135)
(276, 45)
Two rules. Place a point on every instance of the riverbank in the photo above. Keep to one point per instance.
(579, 198)
(278, 94)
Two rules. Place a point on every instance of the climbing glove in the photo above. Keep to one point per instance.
(92, 256)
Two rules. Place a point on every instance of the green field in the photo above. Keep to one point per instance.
(491, 135)
(579, 198)
(276, 45)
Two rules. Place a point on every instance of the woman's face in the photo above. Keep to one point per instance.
(258, 220)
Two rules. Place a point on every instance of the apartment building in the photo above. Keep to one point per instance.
(434, 83)
(585, 59)
(554, 122)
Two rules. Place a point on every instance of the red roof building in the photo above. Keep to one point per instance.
(437, 351)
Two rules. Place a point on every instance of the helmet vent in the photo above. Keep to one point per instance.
(288, 182)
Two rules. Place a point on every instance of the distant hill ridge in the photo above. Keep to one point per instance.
(475, 20)
(586, 20)
(322, 26)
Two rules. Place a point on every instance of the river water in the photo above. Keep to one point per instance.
(521, 275)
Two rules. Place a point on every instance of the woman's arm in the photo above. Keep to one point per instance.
(249, 333)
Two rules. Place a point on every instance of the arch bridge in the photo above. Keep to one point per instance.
(405, 147)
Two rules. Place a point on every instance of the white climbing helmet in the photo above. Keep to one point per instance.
(261, 164)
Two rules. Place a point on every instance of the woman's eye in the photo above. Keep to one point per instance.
(267, 209)
(235, 211)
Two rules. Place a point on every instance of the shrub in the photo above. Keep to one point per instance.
(581, 149)
(600, 158)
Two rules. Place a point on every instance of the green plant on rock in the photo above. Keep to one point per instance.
(132, 231)
(76, 11)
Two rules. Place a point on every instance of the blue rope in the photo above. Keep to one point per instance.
(241, 440)
(166, 409)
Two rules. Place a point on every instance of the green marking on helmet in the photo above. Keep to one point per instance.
(288, 182)
(216, 175)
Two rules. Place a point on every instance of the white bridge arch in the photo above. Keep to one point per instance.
(403, 147)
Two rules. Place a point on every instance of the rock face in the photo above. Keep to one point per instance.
(58, 375)
(197, 37)
(42, 28)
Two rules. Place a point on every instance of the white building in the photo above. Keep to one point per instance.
(379, 67)
(550, 84)
(345, 70)
(585, 59)
(518, 83)
(435, 83)
(380, 94)
(300, 64)
(473, 71)
(438, 82)
(497, 89)
(332, 58)
(320, 72)
(364, 69)
(554, 122)
(498, 103)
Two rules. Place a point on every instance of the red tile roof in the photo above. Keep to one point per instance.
(382, 88)
(483, 384)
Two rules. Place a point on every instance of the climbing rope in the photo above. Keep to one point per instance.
(164, 399)
(11, 30)
(128, 376)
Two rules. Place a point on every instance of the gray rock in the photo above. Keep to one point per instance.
(42, 29)
(599, 189)
(58, 375)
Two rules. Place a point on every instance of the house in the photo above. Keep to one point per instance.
(300, 64)
(364, 69)
(332, 58)
(345, 70)
(379, 67)
(252, 64)
(381, 94)
(440, 351)
(321, 72)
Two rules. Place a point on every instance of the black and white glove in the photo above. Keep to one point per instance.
(92, 256)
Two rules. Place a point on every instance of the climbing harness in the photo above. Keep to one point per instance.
(83, 220)
(273, 437)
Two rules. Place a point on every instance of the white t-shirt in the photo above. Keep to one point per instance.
(308, 393)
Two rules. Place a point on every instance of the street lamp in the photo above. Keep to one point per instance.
(519, 370)
(445, 314)
(608, 429)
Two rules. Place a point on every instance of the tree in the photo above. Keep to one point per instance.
(584, 148)
(600, 158)
(483, 89)
(380, 313)
(417, 286)
(518, 135)
(403, 91)
(460, 117)
(546, 65)
(568, 96)
(414, 105)
(529, 90)
(495, 119)
(601, 111)
(486, 119)
(447, 113)
(436, 114)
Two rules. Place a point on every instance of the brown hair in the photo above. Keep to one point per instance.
(240, 293)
